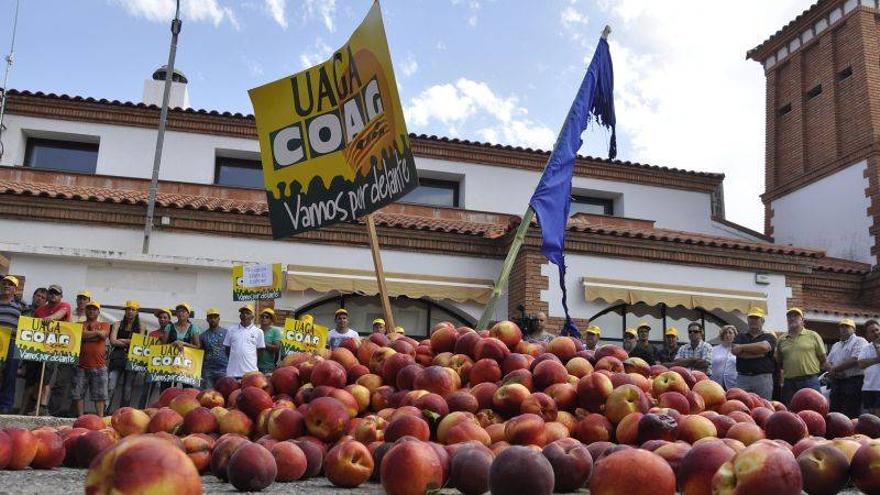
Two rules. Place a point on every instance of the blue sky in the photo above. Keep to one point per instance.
(502, 71)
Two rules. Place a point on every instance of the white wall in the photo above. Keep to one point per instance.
(188, 157)
(108, 262)
(830, 214)
(591, 266)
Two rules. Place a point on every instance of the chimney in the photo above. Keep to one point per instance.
(155, 87)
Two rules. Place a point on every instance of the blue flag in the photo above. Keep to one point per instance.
(552, 198)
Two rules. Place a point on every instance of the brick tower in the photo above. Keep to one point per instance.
(823, 129)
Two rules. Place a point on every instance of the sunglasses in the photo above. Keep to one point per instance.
(695, 331)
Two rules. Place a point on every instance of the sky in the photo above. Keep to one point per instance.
(500, 71)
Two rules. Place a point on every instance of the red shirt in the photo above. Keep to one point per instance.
(93, 353)
(50, 309)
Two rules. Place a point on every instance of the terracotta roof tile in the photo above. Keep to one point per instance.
(840, 265)
(841, 309)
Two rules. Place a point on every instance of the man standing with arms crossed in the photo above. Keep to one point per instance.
(870, 362)
(843, 369)
(242, 342)
(91, 373)
(56, 309)
(801, 353)
(754, 357)
(10, 312)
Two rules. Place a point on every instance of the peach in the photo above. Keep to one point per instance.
(747, 433)
(406, 377)
(804, 444)
(284, 424)
(130, 421)
(495, 432)
(485, 370)
(540, 404)
(609, 363)
(50, 449)
(523, 377)
(183, 404)
(824, 469)
(807, 399)
(519, 469)
(508, 399)
(563, 347)
(694, 427)
(286, 380)
(290, 461)
(490, 348)
(86, 448)
(200, 420)
(361, 395)
(553, 431)
(167, 437)
(467, 431)
(463, 401)
(548, 373)
(722, 423)
(469, 470)
(847, 446)
(165, 419)
(348, 464)
(786, 426)
(90, 421)
(865, 468)
(253, 400)
(465, 344)
(235, 421)
(712, 393)
(525, 429)
(579, 367)
(370, 429)
(326, 418)
(222, 451)
(6, 447)
(517, 361)
(627, 431)
(392, 366)
(838, 425)
(731, 405)
(814, 421)
(112, 470)
(673, 453)
(407, 426)
(614, 474)
(624, 400)
(592, 391)
(699, 465)
(507, 332)
(760, 414)
(450, 420)
(869, 425)
(592, 428)
(254, 379)
(685, 373)
(696, 402)
(251, 467)
(657, 427)
(438, 379)
(379, 358)
(443, 337)
(675, 400)
(314, 456)
(763, 467)
(572, 464)
(198, 448)
(611, 350)
(411, 467)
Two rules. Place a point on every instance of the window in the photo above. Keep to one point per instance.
(238, 172)
(844, 74)
(596, 206)
(616, 318)
(816, 91)
(53, 154)
(434, 192)
(784, 110)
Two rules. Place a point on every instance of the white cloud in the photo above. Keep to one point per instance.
(685, 95)
(320, 53)
(409, 66)
(473, 105)
(325, 10)
(190, 10)
(277, 9)
(574, 24)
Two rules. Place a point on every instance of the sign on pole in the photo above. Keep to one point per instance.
(257, 281)
(333, 140)
(48, 341)
(5, 337)
(168, 363)
(301, 336)
(139, 352)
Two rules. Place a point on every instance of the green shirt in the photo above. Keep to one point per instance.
(266, 358)
(800, 355)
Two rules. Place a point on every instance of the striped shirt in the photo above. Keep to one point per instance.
(9, 314)
(703, 351)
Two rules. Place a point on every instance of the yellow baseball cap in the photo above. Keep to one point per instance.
(799, 311)
(400, 330)
(671, 331)
(163, 310)
(12, 280)
(268, 311)
(308, 318)
(184, 305)
(847, 322)
(340, 311)
(248, 307)
(212, 311)
(131, 303)
(379, 321)
(643, 324)
(595, 330)
(84, 293)
(756, 313)
(93, 304)
(631, 331)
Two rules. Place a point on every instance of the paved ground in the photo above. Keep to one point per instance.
(32, 422)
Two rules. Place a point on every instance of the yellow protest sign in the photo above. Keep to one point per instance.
(5, 337)
(301, 336)
(333, 140)
(168, 363)
(48, 341)
(139, 352)
(257, 281)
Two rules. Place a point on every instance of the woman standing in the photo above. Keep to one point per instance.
(723, 361)
(163, 317)
(183, 332)
(120, 340)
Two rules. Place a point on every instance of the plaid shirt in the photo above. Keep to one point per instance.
(703, 351)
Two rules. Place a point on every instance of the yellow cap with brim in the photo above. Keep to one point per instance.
(671, 331)
(799, 311)
(93, 304)
(84, 293)
(400, 330)
(757, 313)
(212, 311)
(12, 280)
(631, 331)
(163, 310)
(185, 306)
(340, 311)
(595, 330)
(378, 321)
(847, 322)
(643, 324)
(246, 307)
(268, 311)
(131, 303)
(308, 318)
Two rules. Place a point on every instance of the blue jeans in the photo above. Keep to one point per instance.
(792, 385)
(10, 374)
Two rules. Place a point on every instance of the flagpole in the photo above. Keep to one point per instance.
(515, 246)
(380, 273)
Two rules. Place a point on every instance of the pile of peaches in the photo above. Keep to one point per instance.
(474, 411)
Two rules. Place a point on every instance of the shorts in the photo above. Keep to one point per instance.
(871, 399)
(32, 370)
(96, 381)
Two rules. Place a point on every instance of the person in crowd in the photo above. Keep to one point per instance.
(183, 332)
(843, 369)
(869, 361)
(242, 342)
(696, 355)
(91, 373)
(666, 353)
(33, 369)
(538, 333)
(801, 354)
(211, 341)
(754, 349)
(643, 348)
(10, 312)
(630, 338)
(378, 325)
(120, 340)
(268, 356)
(341, 331)
(400, 330)
(61, 375)
(82, 298)
(163, 318)
(591, 337)
(723, 360)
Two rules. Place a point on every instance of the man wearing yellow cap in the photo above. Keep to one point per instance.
(591, 338)
(666, 352)
(211, 341)
(10, 312)
(801, 354)
(843, 369)
(643, 348)
(91, 372)
(82, 298)
(754, 349)
(378, 325)
(242, 342)
(268, 356)
(630, 337)
(869, 361)
(341, 331)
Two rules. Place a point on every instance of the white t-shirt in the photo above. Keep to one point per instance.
(335, 338)
(243, 343)
(872, 373)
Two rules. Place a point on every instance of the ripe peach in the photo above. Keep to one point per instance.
(592, 428)
(166, 419)
(285, 380)
(824, 469)
(747, 433)
(523, 377)
(519, 469)
(50, 449)
(814, 421)
(490, 348)
(235, 421)
(525, 429)
(675, 400)
(517, 361)
(485, 370)
(284, 424)
(624, 400)
(348, 464)
(627, 430)
(198, 448)
(86, 448)
(562, 347)
(326, 418)
(699, 465)
(540, 404)
(183, 404)
(469, 470)
(200, 420)
(463, 401)
(572, 464)
(593, 391)
(712, 393)
(786, 426)
(407, 426)
(763, 467)
(868, 425)
(251, 467)
(411, 467)
(253, 401)
(838, 425)
(694, 427)
(508, 399)
(112, 470)
(91, 421)
(507, 332)
(438, 379)
(290, 461)
(130, 421)
(579, 367)
(609, 363)
(314, 456)
(809, 399)
(615, 474)
(443, 337)
(548, 373)
(673, 453)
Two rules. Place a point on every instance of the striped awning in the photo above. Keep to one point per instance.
(708, 298)
(363, 282)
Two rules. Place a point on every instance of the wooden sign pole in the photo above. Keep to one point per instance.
(40, 390)
(380, 274)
